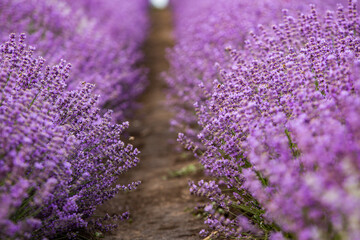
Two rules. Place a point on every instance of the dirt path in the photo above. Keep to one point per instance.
(158, 207)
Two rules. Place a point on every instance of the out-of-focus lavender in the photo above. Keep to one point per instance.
(278, 123)
(101, 39)
(59, 158)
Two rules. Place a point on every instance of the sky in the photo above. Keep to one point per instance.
(159, 3)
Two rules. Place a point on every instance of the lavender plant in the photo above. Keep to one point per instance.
(87, 34)
(59, 158)
(204, 29)
(280, 131)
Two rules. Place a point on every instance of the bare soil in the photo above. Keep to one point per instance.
(161, 207)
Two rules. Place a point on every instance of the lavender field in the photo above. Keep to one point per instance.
(207, 119)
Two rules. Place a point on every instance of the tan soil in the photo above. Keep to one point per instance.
(161, 207)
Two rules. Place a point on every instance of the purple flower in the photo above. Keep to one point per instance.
(59, 157)
(276, 116)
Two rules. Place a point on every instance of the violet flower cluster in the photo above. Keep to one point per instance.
(59, 158)
(101, 39)
(279, 128)
(204, 29)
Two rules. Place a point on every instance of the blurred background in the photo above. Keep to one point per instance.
(161, 4)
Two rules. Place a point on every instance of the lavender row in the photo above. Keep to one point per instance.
(204, 30)
(60, 156)
(277, 126)
(102, 40)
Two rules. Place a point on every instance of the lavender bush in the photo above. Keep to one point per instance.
(204, 30)
(279, 131)
(59, 158)
(101, 39)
